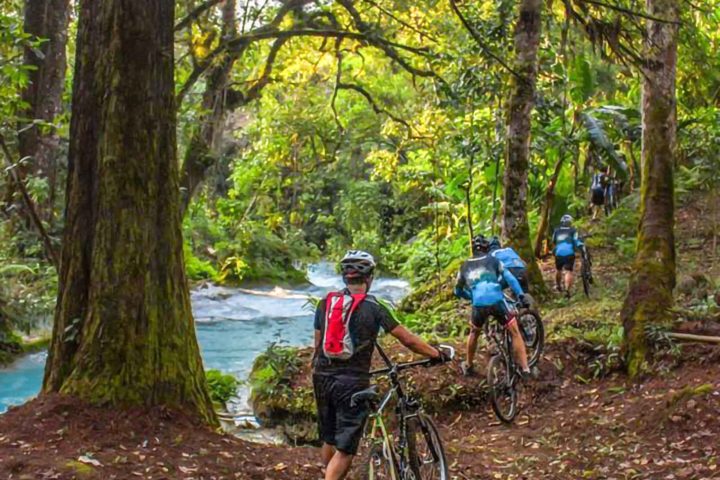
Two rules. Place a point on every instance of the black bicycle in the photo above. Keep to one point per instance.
(586, 271)
(503, 373)
(414, 450)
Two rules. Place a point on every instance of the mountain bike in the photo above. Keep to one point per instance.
(413, 450)
(503, 373)
(586, 271)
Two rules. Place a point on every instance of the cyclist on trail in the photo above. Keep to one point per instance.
(566, 241)
(510, 260)
(347, 324)
(479, 281)
(597, 193)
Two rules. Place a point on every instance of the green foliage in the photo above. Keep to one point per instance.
(196, 268)
(222, 386)
(273, 396)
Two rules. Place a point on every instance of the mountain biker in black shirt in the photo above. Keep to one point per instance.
(335, 380)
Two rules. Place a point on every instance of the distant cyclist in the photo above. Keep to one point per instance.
(565, 241)
(479, 281)
(510, 260)
(347, 324)
(597, 193)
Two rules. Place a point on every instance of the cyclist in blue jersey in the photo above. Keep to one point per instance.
(479, 281)
(510, 260)
(566, 242)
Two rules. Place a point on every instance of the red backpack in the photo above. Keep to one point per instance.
(339, 307)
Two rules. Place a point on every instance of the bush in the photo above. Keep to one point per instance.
(222, 386)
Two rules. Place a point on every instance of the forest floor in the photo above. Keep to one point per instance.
(581, 418)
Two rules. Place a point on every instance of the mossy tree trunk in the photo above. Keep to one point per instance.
(202, 151)
(515, 227)
(48, 20)
(649, 295)
(124, 332)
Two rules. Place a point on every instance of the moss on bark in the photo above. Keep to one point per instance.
(649, 297)
(515, 226)
(124, 332)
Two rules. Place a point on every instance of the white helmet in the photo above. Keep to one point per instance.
(566, 220)
(357, 263)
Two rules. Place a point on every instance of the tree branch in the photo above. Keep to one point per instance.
(476, 36)
(30, 206)
(195, 14)
(627, 11)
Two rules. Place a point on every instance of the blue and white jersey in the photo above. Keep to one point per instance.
(566, 241)
(509, 258)
(479, 281)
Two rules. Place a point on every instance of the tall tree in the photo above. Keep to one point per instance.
(515, 226)
(124, 332)
(649, 295)
(46, 20)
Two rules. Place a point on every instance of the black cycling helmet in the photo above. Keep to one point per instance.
(480, 244)
(357, 263)
(495, 243)
(566, 220)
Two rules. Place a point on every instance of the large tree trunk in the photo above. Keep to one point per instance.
(202, 150)
(649, 295)
(45, 19)
(515, 227)
(124, 332)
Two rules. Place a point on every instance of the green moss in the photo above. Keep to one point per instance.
(82, 470)
(689, 392)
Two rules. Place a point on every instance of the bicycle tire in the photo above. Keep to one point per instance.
(502, 388)
(377, 465)
(425, 465)
(530, 321)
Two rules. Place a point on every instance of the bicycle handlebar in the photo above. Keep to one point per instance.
(398, 367)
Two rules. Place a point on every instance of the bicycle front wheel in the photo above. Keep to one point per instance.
(426, 454)
(503, 395)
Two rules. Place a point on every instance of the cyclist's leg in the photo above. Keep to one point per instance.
(350, 423)
(558, 273)
(569, 267)
(518, 343)
(326, 418)
(477, 320)
(338, 466)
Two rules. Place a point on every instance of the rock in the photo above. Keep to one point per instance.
(691, 404)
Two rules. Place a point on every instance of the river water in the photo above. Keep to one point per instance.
(233, 325)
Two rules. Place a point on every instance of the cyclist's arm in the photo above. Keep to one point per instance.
(512, 281)
(413, 342)
(319, 312)
(459, 289)
(578, 241)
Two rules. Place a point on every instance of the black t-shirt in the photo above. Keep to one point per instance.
(365, 325)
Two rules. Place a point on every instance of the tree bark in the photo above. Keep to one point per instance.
(547, 206)
(124, 332)
(515, 226)
(48, 20)
(649, 296)
(202, 152)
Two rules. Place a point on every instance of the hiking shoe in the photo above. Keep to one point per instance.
(525, 375)
(467, 369)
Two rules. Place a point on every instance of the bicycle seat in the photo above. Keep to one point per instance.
(364, 396)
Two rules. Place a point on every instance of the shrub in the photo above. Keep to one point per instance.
(222, 385)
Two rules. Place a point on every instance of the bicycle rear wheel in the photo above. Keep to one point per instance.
(586, 280)
(378, 465)
(426, 454)
(533, 332)
(503, 395)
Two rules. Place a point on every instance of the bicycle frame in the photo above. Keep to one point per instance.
(394, 449)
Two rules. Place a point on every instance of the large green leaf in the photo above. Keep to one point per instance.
(601, 141)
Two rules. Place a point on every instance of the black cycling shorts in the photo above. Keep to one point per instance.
(480, 315)
(597, 197)
(565, 262)
(339, 424)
